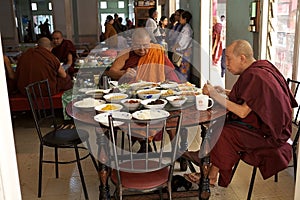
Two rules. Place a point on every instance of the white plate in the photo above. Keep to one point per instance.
(97, 93)
(88, 103)
(103, 118)
(169, 85)
(84, 90)
(150, 114)
(142, 85)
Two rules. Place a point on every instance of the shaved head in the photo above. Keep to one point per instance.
(44, 42)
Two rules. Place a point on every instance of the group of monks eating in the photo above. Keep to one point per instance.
(258, 124)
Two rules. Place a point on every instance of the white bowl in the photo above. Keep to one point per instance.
(161, 105)
(115, 97)
(88, 103)
(176, 101)
(168, 85)
(149, 94)
(110, 107)
(190, 95)
(131, 104)
(97, 93)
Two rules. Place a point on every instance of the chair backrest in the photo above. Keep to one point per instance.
(126, 158)
(41, 104)
(295, 86)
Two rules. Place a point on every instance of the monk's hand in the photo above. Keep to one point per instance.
(130, 72)
(219, 89)
(209, 90)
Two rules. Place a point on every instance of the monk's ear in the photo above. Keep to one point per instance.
(243, 58)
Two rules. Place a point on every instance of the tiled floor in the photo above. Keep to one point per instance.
(68, 186)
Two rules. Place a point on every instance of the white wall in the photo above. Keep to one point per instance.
(9, 177)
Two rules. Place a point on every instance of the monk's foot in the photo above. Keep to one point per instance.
(192, 156)
(193, 177)
(213, 175)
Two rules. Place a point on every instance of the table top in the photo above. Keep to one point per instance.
(191, 116)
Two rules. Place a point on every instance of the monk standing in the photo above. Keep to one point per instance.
(39, 63)
(259, 122)
(65, 51)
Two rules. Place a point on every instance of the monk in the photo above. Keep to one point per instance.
(65, 51)
(143, 61)
(259, 122)
(39, 63)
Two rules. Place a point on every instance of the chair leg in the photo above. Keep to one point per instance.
(160, 194)
(251, 183)
(81, 173)
(276, 178)
(56, 161)
(295, 161)
(234, 168)
(40, 170)
(92, 157)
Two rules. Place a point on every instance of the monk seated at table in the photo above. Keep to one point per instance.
(38, 63)
(143, 61)
(259, 122)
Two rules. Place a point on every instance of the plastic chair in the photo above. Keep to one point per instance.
(294, 86)
(147, 171)
(40, 100)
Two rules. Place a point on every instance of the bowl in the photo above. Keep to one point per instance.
(131, 104)
(110, 107)
(97, 93)
(115, 97)
(154, 103)
(167, 93)
(190, 95)
(176, 101)
(149, 94)
(88, 103)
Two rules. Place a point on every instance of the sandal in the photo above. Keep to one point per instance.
(193, 177)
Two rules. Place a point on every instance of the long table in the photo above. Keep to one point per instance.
(191, 117)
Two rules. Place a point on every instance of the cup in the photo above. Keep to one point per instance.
(202, 102)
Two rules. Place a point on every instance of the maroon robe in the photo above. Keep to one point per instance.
(261, 137)
(62, 51)
(37, 64)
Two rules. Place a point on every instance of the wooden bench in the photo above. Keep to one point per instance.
(19, 102)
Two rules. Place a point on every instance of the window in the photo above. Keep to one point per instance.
(103, 5)
(121, 4)
(34, 6)
(50, 6)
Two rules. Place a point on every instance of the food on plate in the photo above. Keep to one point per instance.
(149, 92)
(169, 92)
(156, 102)
(109, 107)
(132, 101)
(116, 97)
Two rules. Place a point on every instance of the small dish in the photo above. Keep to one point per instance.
(150, 114)
(154, 103)
(131, 104)
(168, 85)
(103, 117)
(115, 97)
(177, 101)
(97, 93)
(111, 107)
(149, 94)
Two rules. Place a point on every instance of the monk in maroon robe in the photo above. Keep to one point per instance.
(143, 61)
(259, 122)
(65, 51)
(39, 63)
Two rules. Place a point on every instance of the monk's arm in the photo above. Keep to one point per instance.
(61, 72)
(70, 59)
(116, 70)
(9, 69)
(240, 110)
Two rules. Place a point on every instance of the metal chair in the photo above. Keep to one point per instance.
(39, 97)
(147, 171)
(294, 86)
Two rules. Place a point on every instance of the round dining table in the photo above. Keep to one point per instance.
(190, 117)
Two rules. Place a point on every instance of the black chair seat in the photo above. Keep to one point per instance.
(65, 137)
